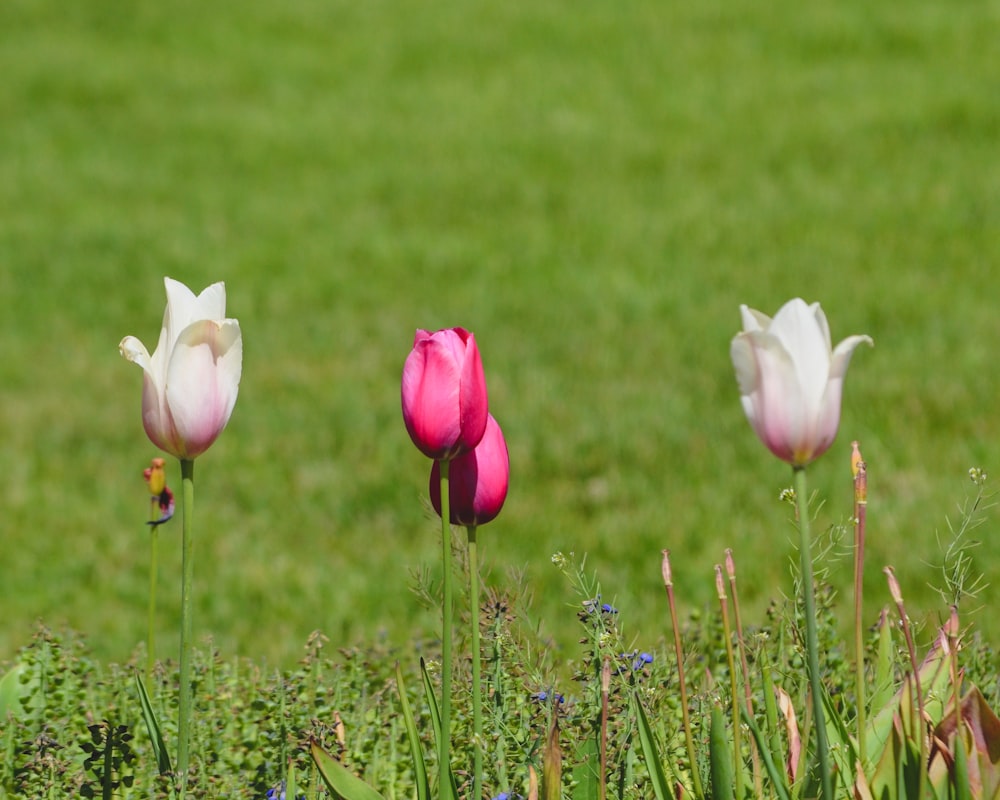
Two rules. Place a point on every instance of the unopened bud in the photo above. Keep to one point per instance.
(856, 459)
(894, 591)
(668, 580)
(156, 476)
(720, 585)
(861, 484)
(730, 564)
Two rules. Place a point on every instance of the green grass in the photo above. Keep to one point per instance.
(592, 188)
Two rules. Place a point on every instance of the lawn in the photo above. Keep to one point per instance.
(592, 188)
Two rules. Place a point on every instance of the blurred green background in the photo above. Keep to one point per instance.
(591, 187)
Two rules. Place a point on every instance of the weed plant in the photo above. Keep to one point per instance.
(74, 726)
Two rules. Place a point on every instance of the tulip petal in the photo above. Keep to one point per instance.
(754, 320)
(790, 381)
(430, 392)
(829, 417)
(135, 351)
(807, 342)
(770, 392)
(202, 384)
(474, 407)
(478, 480)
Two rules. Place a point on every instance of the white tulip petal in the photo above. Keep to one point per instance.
(790, 381)
(754, 320)
(796, 326)
(135, 351)
(824, 326)
(842, 355)
(203, 382)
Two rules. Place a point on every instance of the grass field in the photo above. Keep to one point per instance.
(592, 188)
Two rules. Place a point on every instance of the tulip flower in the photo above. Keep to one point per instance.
(192, 379)
(790, 385)
(478, 480)
(444, 393)
(790, 380)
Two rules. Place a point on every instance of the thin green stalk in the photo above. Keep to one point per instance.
(812, 639)
(477, 674)
(187, 589)
(741, 644)
(917, 709)
(860, 511)
(668, 583)
(734, 690)
(154, 544)
(444, 743)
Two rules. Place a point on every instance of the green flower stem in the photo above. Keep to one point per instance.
(734, 690)
(812, 642)
(154, 545)
(444, 745)
(860, 510)
(477, 679)
(187, 587)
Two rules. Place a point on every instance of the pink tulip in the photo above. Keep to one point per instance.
(444, 393)
(191, 381)
(477, 480)
(790, 380)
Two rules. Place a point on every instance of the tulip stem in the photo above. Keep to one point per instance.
(477, 696)
(187, 581)
(154, 544)
(444, 744)
(812, 642)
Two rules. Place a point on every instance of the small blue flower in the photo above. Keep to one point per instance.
(543, 696)
(607, 608)
(277, 792)
(642, 660)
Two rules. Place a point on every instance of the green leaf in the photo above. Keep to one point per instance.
(342, 783)
(585, 773)
(436, 725)
(291, 789)
(413, 735)
(153, 728)
(10, 692)
(778, 780)
(654, 765)
(721, 756)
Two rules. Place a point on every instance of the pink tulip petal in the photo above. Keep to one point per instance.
(203, 382)
(473, 400)
(430, 392)
(477, 480)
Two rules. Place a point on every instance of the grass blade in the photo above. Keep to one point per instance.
(413, 735)
(721, 757)
(445, 769)
(342, 783)
(153, 728)
(649, 752)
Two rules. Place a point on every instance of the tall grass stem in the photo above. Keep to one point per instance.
(860, 511)
(734, 689)
(812, 639)
(668, 583)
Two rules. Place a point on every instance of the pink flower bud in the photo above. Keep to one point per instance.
(477, 480)
(790, 379)
(444, 393)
